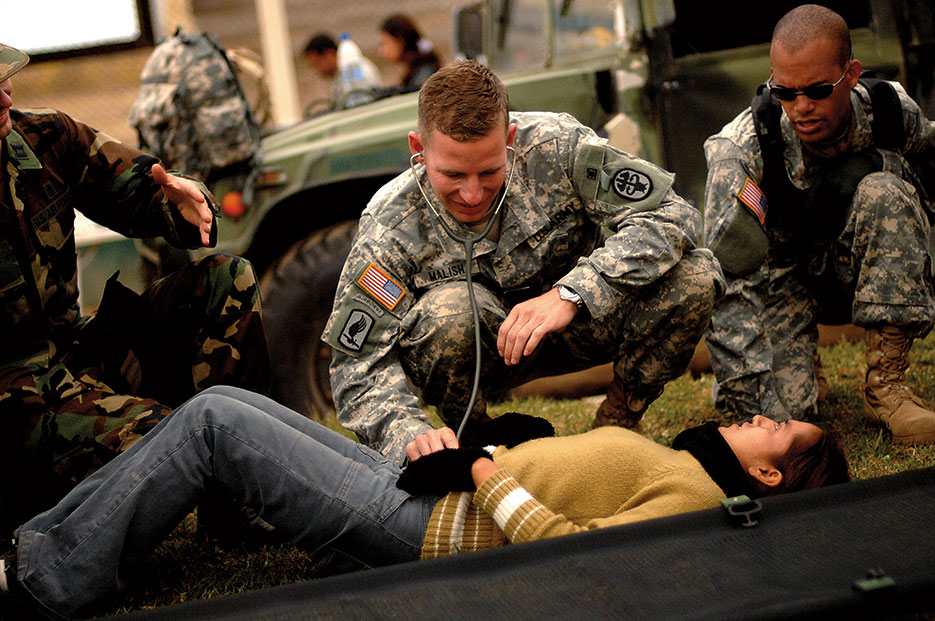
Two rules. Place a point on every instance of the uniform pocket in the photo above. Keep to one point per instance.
(55, 224)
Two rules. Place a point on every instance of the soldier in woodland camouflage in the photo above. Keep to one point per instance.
(75, 391)
(837, 232)
(402, 326)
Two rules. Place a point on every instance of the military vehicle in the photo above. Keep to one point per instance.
(655, 76)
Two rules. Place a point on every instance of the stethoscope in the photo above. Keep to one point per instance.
(468, 245)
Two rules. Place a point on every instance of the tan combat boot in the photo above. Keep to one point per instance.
(623, 408)
(889, 401)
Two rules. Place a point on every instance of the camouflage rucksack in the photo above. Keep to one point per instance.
(191, 111)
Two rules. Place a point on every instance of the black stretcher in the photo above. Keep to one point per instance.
(865, 549)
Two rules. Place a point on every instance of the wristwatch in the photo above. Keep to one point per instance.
(569, 294)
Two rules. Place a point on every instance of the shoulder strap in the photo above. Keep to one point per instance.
(766, 116)
(889, 131)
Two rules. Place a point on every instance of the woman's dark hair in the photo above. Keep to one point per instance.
(420, 63)
(404, 29)
(819, 464)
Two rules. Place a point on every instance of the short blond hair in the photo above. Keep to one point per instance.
(464, 101)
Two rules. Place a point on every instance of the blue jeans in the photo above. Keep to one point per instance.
(318, 489)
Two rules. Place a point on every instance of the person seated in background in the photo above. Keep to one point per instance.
(76, 390)
(321, 53)
(354, 509)
(401, 42)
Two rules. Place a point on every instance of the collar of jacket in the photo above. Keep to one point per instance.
(20, 154)
(708, 446)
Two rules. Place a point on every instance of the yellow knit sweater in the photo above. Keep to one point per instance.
(557, 486)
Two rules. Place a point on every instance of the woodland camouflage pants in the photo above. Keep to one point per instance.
(83, 400)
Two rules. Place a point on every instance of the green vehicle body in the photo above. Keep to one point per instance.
(656, 76)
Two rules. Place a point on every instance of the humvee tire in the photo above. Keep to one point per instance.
(298, 293)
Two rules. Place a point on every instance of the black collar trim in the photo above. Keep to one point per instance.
(708, 446)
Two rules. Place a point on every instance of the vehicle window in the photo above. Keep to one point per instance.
(581, 27)
(698, 28)
(75, 30)
(519, 41)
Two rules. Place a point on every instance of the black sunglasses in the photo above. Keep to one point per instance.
(814, 92)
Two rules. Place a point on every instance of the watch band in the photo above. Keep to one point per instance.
(569, 294)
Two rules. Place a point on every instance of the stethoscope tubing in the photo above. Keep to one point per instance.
(468, 245)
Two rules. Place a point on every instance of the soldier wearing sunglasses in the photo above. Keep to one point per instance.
(818, 205)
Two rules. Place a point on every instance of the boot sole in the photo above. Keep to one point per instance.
(919, 439)
(916, 440)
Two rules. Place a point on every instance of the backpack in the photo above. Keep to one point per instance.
(191, 111)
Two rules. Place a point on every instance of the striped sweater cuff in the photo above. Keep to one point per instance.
(514, 510)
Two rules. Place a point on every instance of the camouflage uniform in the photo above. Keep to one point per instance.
(76, 391)
(402, 314)
(789, 274)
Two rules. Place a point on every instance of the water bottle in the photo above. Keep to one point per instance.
(353, 73)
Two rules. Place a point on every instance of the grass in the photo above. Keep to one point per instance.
(188, 566)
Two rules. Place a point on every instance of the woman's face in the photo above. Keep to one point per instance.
(391, 48)
(763, 440)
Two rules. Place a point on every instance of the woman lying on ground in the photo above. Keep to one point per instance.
(318, 489)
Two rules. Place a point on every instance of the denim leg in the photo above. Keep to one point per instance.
(332, 439)
(318, 488)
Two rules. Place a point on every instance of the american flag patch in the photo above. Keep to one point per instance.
(386, 290)
(752, 197)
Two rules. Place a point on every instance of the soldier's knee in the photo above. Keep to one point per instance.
(698, 285)
(445, 311)
(450, 327)
(228, 273)
(440, 326)
(885, 191)
(221, 262)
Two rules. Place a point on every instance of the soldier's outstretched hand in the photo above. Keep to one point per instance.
(529, 322)
(191, 202)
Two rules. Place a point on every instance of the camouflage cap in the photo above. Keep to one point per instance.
(11, 61)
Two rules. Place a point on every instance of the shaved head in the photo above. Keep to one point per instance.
(809, 22)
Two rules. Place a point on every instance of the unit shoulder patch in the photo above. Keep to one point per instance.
(356, 330)
(632, 184)
(609, 175)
